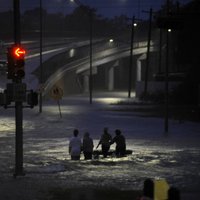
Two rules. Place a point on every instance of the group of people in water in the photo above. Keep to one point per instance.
(76, 146)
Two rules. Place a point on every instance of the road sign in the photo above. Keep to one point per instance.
(16, 91)
(19, 92)
(56, 93)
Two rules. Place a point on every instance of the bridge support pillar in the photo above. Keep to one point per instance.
(86, 78)
(139, 67)
(86, 83)
(139, 70)
(111, 78)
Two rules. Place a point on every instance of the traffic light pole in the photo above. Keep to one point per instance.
(19, 140)
(18, 104)
(17, 33)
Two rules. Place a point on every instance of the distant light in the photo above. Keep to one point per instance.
(71, 0)
(111, 40)
(71, 53)
(135, 24)
(169, 30)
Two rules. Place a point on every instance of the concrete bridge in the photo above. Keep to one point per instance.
(110, 63)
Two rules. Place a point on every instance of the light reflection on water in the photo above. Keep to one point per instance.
(147, 161)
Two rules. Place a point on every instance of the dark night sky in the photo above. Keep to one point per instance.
(108, 8)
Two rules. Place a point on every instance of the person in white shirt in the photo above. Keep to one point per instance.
(75, 146)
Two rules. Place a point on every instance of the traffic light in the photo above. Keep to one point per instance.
(15, 59)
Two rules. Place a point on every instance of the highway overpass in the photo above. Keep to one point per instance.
(109, 61)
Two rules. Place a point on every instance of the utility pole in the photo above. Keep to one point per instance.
(167, 79)
(18, 104)
(160, 52)
(131, 57)
(41, 67)
(148, 53)
(91, 53)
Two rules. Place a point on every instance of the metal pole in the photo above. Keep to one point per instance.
(131, 57)
(91, 53)
(58, 102)
(160, 53)
(41, 67)
(17, 33)
(166, 79)
(148, 53)
(90, 76)
(18, 104)
(166, 84)
(18, 140)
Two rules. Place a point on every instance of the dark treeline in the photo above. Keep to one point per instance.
(185, 43)
(187, 54)
(58, 24)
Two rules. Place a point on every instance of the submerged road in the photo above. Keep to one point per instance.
(48, 165)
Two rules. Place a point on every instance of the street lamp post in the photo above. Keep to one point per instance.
(148, 54)
(91, 53)
(131, 57)
(41, 67)
(90, 14)
(167, 79)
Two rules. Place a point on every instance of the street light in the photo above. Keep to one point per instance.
(91, 53)
(111, 40)
(133, 25)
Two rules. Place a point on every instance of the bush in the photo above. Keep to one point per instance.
(154, 97)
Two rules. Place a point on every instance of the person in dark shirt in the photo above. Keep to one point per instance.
(120, 141)
(105, 142)
(87, 146)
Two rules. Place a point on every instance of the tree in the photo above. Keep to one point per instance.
(6, 24)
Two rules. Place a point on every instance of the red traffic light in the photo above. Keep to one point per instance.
(19, 52)
(15, 58)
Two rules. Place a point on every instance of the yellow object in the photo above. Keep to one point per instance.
(161, 188)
